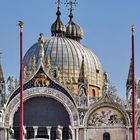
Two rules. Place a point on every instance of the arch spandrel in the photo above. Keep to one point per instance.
(106, 117)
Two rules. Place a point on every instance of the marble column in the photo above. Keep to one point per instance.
(127, 133)
(77, 133)
(49, 131)
(35, 131)
(85, 133)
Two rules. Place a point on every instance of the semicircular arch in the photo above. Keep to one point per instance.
(106, 115)
(44, 92)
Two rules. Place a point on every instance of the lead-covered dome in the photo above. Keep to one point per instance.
(68, 55)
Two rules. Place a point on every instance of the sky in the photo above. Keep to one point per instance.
(106, 25)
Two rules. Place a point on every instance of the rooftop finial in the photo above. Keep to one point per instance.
(70, 3)
(21, 24)
(133, 29)
(58, 13)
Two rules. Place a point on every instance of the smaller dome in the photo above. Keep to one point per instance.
(73, 30)
(58, 28)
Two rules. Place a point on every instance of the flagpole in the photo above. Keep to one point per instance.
(134, 129)
(21, 82)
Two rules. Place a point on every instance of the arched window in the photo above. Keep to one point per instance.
(106, 136)
(93, 93)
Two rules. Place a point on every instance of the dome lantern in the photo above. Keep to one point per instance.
(58, 28)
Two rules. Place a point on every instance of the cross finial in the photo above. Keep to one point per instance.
(58, 2)
(133, 29)
(71, 3)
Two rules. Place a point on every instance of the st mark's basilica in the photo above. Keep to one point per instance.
(67, 95)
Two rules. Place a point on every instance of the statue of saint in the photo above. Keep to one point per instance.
(106, 81)
(82, 97)
(41, 45)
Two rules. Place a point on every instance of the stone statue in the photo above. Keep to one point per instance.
(81, 116)
(106, 81)
(16, 83)
(1, 116)
(24, 132)
(106, 77)
(11, 132)
(11, 84)
(58, 133)
(41, 46)
(82, 97)
(48, 63)
(33, 62)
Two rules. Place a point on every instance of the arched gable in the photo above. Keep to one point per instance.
(106, 115)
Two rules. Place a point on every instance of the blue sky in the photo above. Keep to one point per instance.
(106, 24)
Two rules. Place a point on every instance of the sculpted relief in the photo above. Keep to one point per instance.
(106, 117)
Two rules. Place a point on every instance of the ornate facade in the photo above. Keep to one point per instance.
(67, 96)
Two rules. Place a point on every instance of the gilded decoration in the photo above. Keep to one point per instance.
(106, 116)
(41, 80)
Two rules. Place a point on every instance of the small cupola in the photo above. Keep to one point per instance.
(58, 28)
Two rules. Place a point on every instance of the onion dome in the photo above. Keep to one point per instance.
(68, 54)
(58, 28)
(73, 30)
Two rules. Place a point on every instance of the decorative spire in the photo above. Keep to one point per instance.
(82, 75)
(73, 30)
(58, 28)
(0, 57)
(1, 71)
